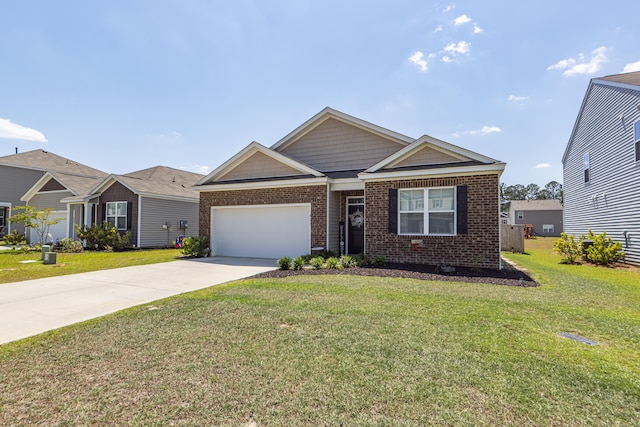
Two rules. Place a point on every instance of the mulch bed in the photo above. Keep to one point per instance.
(508, 276)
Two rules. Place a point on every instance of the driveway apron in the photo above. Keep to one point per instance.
(34, 306)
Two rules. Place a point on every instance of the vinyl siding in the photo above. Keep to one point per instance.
(259, 165)
(539, 218)
(14, 182)
(611, 200)
(50, 199)
(334, 146)
(156, 212)
(426, 156)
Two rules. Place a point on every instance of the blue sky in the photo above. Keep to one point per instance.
(126, 85)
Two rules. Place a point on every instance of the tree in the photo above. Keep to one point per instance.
(531, 192)
(554, 190)
(39, 220)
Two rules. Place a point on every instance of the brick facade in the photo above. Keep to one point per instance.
(314, 194)
(480, 246)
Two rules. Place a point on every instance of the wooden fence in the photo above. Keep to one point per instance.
(512, 238)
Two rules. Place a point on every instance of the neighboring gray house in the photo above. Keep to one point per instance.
(43, 179)
(602, 163)
(544, 215)
(157, 205)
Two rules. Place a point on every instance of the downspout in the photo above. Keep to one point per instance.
(139, 222)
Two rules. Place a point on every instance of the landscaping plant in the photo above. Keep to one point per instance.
(284, 263)
(569, 247)
(195, 246)
(103, 237)
(604, 250)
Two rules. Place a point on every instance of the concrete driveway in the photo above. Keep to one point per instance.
(35, 306)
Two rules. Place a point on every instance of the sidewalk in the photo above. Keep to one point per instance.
(35, 306)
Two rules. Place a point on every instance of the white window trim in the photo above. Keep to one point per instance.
(116, 216)
(425, 211)
(586, 166)
(548, 228)
(520, 215)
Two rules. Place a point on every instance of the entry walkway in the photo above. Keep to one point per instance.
(35, 306)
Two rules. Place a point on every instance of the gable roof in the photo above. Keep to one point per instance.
(625, 80)
(328, 113)
(536, 205)
(440, 156)
(251, 150)
(157, 181)
(78, 185)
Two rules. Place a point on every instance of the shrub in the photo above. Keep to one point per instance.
(348, 261)
(15, 238)
(298, 263)
(333, 263)
(604, 250)
(568, 247)
(360, 260)
(195, 246)
(317, 262)
(284, 263)
(379, 261)
(70, 246)
(104, 237)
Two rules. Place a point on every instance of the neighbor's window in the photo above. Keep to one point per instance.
(636, 139)
(520, 215)
(437, 216)
(3, 216)
(547, 228)
(117, 214)
(587, 167)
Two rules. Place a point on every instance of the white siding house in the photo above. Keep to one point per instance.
(602, 163)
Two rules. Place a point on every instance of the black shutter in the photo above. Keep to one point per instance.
(462, 209)
(104, 214)
(393, 210)
(129, 215)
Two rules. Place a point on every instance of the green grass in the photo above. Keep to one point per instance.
(12, 269)
(346, 350)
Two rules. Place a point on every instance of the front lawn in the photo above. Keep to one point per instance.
(13, 267)
(346, 350)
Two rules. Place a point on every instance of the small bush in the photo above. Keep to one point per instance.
(333, 263)
(317, 262)
(69, 246)
(298, 263)
(195, 246)
(15, 238)
(104, 237)
(284, 263)
(348, 261)
(360, 260)
(604, 250)
(379, 261)
(568, 247)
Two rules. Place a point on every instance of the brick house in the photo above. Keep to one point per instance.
(342, 184)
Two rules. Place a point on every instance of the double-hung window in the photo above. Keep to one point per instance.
(636, 139)
(3, 217)
(117, 214)
(427, 211)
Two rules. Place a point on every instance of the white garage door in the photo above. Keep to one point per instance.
(266, 231)
(58, 231)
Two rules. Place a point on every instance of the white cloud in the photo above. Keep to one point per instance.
(460, 48)
(573, 66)
(197, 169)
(462, 19)
(418, 60)
(486, 130)
(10, 130)
(446, 59)
(477, 29)
(438, 29)
(543, 165)
(516, 98)
(449, 8)
(634, 66)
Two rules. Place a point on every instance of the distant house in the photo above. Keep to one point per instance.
(544, 215)
(43, 179)
(156, 205)
(602, 163)
(342, 184)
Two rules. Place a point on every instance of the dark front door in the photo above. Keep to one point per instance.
(355, 225)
